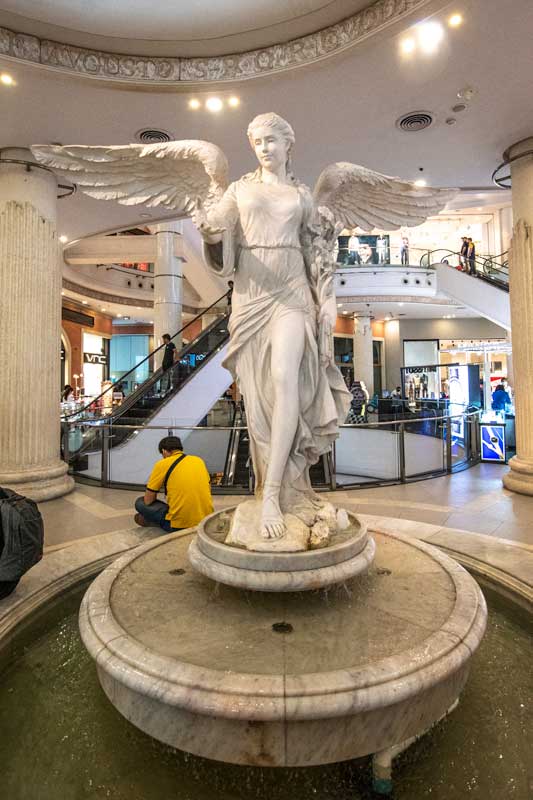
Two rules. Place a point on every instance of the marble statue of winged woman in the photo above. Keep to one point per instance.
(274, 237)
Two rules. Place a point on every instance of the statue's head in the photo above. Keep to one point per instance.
(275, 127)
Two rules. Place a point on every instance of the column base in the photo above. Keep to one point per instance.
(520, 476)
(39, 483)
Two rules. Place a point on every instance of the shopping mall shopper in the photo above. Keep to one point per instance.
(169, 358)
(464, 251)
(500, 399)
(471, 257)
(185, 481)
(67, 396)
(505, 383)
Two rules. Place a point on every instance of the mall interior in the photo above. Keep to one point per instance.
(393, 657)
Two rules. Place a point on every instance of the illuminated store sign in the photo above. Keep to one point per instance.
(95, 358)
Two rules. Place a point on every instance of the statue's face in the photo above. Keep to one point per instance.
(270, 148)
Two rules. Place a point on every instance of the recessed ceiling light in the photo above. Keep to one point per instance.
(344, 312)
(233, 102)
(408, 45)
(213, 104)
(119, 316)
(455, 20)
(62, 294)
(421, 182)
(63, 239)
(7, 79)
(85, 303)
(400, 304)
(102, 309)
(151, 322)
(194, 103)
(430, 35)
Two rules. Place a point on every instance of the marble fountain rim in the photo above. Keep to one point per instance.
(249, 696)
(240, 558)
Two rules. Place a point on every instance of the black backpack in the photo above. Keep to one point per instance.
(21, 538)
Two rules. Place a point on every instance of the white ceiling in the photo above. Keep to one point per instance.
(341, 109)
(194, 27)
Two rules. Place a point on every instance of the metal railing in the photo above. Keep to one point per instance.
(364, 455)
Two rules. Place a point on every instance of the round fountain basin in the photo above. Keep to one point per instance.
(283, 679)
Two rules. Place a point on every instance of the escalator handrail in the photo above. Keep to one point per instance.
(233, 445)
(136, 367)
(479, 260)
(141, 390)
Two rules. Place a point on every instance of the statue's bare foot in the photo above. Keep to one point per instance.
(272, 524)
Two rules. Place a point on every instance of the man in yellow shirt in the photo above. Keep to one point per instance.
(185, 481)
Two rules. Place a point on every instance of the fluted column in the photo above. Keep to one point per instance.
(168, 280)
(30, 331)
(363, 356)
(520, 476)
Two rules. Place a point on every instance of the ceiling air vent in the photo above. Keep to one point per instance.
(415, 121)
(152, 136)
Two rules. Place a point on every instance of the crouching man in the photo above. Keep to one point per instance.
(184, 480)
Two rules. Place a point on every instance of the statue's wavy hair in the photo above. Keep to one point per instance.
(272, 120)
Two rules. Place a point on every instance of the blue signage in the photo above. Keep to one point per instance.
(492, 442)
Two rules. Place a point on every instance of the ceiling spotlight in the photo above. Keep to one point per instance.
(63, 239)
(102, 309)
(407, 46)
(400, 304)
(430, 35)
(233, 102)
(194, 104)
(151, 322)
(6, 79)
(213, 104)
(62, 294)
(85, 303)
(466, 94)
(455, 20)
(119, 316)
(421, 182)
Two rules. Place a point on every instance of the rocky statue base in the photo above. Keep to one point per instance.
(332, 549)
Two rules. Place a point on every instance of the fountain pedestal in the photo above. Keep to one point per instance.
(349, 553)
(283, 679)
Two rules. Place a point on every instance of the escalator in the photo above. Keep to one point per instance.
(486, 292)
(197, 380)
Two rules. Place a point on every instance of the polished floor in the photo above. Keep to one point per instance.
(474, 500)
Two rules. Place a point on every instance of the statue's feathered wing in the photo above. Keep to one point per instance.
(361, 198)
(173, 175)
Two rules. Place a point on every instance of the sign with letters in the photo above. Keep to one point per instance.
(95, 358)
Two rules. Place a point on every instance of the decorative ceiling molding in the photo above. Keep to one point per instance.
(216, 69)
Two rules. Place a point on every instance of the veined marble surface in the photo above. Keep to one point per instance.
(358, 670)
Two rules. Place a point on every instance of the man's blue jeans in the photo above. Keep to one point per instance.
(155, 513)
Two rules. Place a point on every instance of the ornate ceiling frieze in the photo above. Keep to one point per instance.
(239, 66)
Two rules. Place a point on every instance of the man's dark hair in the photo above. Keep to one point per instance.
(166, 336)
(170, 443)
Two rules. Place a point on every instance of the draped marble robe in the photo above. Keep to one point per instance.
(267, 250)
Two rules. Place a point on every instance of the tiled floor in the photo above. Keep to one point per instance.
(474, 500)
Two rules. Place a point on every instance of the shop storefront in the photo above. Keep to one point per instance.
(95, 362)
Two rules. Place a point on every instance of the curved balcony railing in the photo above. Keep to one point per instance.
(370, 454)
